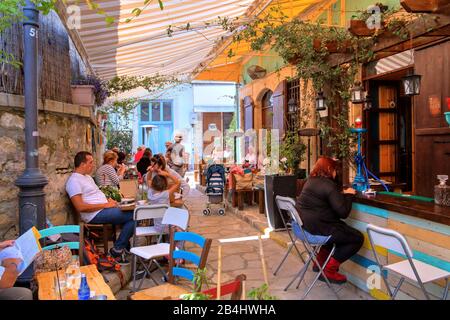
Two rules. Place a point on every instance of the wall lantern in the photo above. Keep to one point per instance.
(292, 105)
(321, 105)
(367, 102)
(411, 84)
(358, 93)
(320, 102)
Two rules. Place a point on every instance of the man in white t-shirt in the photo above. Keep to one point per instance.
(93, 205)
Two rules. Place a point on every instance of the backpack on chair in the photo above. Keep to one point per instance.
(102, 261)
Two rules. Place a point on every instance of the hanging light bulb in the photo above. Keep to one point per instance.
(358, 93)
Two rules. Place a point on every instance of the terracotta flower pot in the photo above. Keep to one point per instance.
(83, 95)
(359, 28)
(333, 46)
(424, 6)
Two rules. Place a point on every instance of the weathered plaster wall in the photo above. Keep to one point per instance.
(64, 130)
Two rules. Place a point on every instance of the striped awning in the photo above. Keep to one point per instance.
(142, 47)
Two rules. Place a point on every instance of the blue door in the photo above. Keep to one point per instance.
(156, 125)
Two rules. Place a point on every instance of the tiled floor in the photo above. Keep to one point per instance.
(244, 257)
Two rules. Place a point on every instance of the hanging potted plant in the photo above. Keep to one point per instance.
(424, 6)
(89, 91)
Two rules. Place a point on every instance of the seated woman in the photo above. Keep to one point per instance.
(321, 206)
(106, 174)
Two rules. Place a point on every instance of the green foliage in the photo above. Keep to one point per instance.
(111, 192)
(123, 139)
(157, 82)
(293, 149)
(261, 293)
(195, 296)
(199, 279)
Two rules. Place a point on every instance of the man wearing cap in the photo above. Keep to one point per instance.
(177, 155)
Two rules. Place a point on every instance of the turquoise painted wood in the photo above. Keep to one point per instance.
(420, 223)
(58, 230)
(184, 273)
(191, 237)
(371, 210)
(431, 260)
(181, 254)
(71, 245)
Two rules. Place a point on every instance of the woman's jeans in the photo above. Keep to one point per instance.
(117, 216)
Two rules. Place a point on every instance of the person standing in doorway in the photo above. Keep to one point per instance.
(177, 155)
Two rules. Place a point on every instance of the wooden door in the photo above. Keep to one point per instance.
(387, 134)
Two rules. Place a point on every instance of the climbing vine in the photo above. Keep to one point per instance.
(310, 47)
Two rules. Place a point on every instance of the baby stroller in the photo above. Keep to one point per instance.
(215, 185)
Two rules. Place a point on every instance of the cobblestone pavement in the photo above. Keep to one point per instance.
(244, 257)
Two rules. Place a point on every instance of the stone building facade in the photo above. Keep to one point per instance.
(64, 130)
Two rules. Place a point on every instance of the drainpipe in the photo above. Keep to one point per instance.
(32, 181)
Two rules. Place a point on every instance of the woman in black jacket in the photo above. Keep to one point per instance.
(322, 206)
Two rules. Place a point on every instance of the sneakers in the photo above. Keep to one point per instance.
(119, 255)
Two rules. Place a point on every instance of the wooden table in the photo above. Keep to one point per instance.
(165, 291)
(46, 284)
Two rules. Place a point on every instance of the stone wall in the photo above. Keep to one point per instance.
(64, 130)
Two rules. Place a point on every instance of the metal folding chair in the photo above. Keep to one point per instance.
(312, 244)
(409, 268)
(171, 217)
(288, 227)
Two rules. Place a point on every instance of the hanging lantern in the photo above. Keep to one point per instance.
(292, 105)
(320, 102)
(411, 84)
(367, 102)
(358, 93)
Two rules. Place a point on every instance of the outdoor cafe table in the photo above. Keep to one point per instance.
(97, 284)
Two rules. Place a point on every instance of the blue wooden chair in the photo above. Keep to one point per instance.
(198, 261)
(75, 245)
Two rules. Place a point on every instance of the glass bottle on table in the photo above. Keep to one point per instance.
(84, 291)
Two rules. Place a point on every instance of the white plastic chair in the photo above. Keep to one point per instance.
(172, 217)
(409, 268)
(147, 212)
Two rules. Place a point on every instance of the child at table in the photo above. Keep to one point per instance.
(159, 191)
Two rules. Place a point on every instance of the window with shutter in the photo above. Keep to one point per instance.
(267, 110)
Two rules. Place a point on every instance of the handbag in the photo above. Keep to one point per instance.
(244, 182)
(50, 260)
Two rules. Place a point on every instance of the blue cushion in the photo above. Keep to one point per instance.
(312, 239)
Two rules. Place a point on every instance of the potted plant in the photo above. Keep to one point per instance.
(333, 46)
(89, 91)
(423, 6)
(292, 150)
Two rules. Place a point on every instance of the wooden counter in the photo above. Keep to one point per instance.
(426, 228)
(416, 208)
